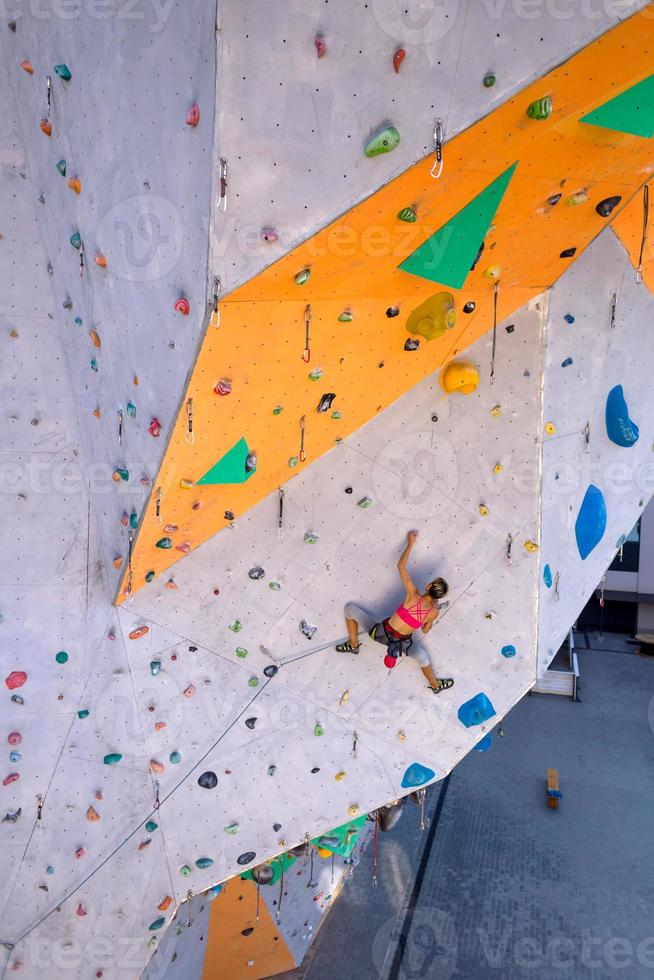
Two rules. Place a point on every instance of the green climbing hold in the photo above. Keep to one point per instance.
(134, 520)
(151, 826)
(383, 142)
(630, 112)
(185, 870)
(61, 167)
(236, 626)
(112, 758)
(337, 415)
(278, 409)
(63, 71)
(175, 757)
(62, 657)
(345, 317)
(164, 543)
(364, 503)
(83, 713)
(540, 108)
(76, 240)
(446, 257)
(230, 468)
(407, 214)
(94, 364)
(131, 409)
(78, 321)
(158, 923)
(253, 682)
(489, 79)
(293, 461)
(302, 276)
(231, 828)
(275, 586)
(316, 374)
(122, 473)
(318, 730)
(203, 863)
(241, 652)
(150, 575)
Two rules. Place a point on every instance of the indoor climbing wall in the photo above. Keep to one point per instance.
(122, 188)
(597, 472)
(310, 349)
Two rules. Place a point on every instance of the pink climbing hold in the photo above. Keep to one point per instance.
(14, 738)
(321, 46)
(184, 547)
(81, 911)
(157, 766)
(154, 428)
(193, 115)
(11, 778)
(189, 691)
(80, 853)
(16, 679)
(182, 306)
(269, 235)
(223, 387)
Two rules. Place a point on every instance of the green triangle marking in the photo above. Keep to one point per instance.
(230, 468)
(447, 256)
(630, 112)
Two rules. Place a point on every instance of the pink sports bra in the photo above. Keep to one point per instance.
(415, 616)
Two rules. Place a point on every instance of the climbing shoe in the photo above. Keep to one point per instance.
(443, 685)
(347, 648)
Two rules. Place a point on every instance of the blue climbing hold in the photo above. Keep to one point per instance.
(15, 756)
(547, 576)
(476, 711)
(619, 427)
(591, 521)
(621, 540)
(569, 318)
(416, 775)
(203, 863)
(568, 361)
(214, 892)
(485, 744)
(157, 924)
(508, 651)
(175, 757)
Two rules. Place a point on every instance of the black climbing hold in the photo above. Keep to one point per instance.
(478, 256)
(12, 26)
(392, 311)
(250, 722)
(567, 253)
(554, 199)
(605, 207)
(263, 875)
(411, 344)
(349, 490)
(277, 827)
(229, 515)
(325, 402)
(270, 670)
(256, 573)
(193, 649)
(208, 780)
(434, 418)
(316, 769)
(246, 858)
(510, 328)
(469, 307)
(249, 930)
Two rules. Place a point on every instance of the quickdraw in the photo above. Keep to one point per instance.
(495, 295)
(643, 241)
(306, 355)
(302, 455)
(189, 437)
(222, 200)
(439, 132)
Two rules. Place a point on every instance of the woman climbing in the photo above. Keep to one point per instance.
(417, 612)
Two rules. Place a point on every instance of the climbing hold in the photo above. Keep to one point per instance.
(250, 462)
(11, 778)
(493, 272)
(398, 58)
(364, 503)
(554, 199)
(547, 576)
(164, 543)
(270, 670)
(568, 253)
(193, 115)
(325, 402)
(433, 317)
(620, 429)
(27, 66)
(61, 657)
(14, 738)
(186, 484)
(241, 652)
(469, 307)
(310, 537)
(345, 317)
(461, 376)
(185, 870)
(407, 214)
(15, 756)
(223, 387)
(531, 546)
(416, 775)
(75, 184)
(94, 367)
(12, 816)
(236, 626)
(253, 682)
(150, 575)
(540, 108)
(231, 828)
(476, 711)
(133, 520)
(568, 361)
(411, 344)
(318, 730)
(579, 197)
(61, 167)
(208, 780)
(550, 428)
(246, 858)
(256, 573)
(95, 338)
(498, 468)
(16, 699)
(165, 903)
(569, 318)
(76, 239)
(385, 141)
(275, 586)
(15, 679)
(489, 79)
(591, 521)
(272, 770)
(139, 632)
(112, 758)
(485, 743)
(340, 776)
(269, 235)
(483, 510)
(189, 691)
(92, 814)
(250, 723)
(345, 697)
(151, 826)
(203, 863)
(308, 630)
(605, 207)
(46, 127)
(354, 810)
(320, 45)
(130, 408)
(392, 311)
(63, 71)
(80, 910)
(302, 276)
(155, 667)
(183, 306)
(508, 651)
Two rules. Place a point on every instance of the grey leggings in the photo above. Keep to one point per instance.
(366, 621)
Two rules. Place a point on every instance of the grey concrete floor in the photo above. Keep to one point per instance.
(512, 889)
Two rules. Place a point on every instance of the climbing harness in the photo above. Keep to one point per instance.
(306, 355)
(614, 303)
(509, 545)
(222, 200)
(437, 169)
(643, 241)
(189, 437)
(492, 370)
(302, 455)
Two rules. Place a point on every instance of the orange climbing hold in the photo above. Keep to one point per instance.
(139, 632)
(27, 66)
(193, 115)
(92, 814)
(118, 560)
(100, 260)
(95, 338)
(398, 58)
(171, 584)
(165, 904)
(75, 184)
(157, 766)
(46, 127)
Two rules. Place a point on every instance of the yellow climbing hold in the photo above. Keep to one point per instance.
(483, 510)
(531, 546)
(550, 428)
(345, 696)
(402, 736)
(498, 468)
(324, 853)
(354, 809)
(461, 376)
(493, 272)
(186, 484)
(496, 410)
(340, 775)
(433, 317)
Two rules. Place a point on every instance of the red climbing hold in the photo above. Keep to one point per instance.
(224, 387)
(321, 46)
(398, 58)
(80, 853)
(138, 632)
(27, 66)
(193, 115)
(154, 428)
(182, 306)
(16, 679)
(14, 738)
(81, 911)
(11, 778)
